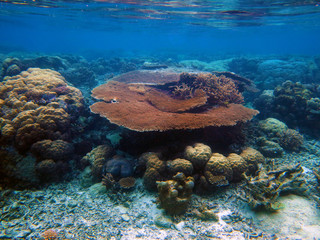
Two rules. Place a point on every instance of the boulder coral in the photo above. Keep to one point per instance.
(39, 114)
(55, 150)
(180, 165)
(199, 154)
(215, 170)
(36, 105)
(253, 159)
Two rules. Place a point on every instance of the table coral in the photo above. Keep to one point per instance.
(175, 194)
(125, 103)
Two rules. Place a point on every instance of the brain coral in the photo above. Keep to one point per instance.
(180, 165)
(55, 150)
(238, 164)
(219, 165)
(37, 104)
(253, 158)
(198, 154)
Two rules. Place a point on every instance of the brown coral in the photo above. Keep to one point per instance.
(199, 154)
(143, 107)
(175, 194)
(238, 165)
(219, 165)
(55, 150)
(127, 183)
(219, 89)
(34, 107)
(180, 165)
(150, 177)
(96, 159)
(253, 158)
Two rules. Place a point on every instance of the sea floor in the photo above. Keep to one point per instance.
(69, 211)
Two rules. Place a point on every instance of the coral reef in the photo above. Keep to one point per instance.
(55, 150)
(220, 90)
(272, 126)
(119, 167)
(180, 165)
(124, 184)
(154, 169)
(203, 213)
(218, 168)
(262, 191)
(125, 103)
(277, 133)
(294, 103)
(175, 194)
(253, 159)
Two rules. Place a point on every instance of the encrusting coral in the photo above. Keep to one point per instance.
(213, 104)
(175, 194)
(262, 191)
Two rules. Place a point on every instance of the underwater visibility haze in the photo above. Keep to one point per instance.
(131, 119)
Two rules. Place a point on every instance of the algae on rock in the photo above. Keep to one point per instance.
(262, 191)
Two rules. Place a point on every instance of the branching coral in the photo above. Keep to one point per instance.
(220, 90)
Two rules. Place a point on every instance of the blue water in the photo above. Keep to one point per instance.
(177, 27)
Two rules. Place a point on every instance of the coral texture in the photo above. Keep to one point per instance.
(175, 194)
(37, 104)
(199, 154)
(55, 150)
(291, 140)
(253, 158)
